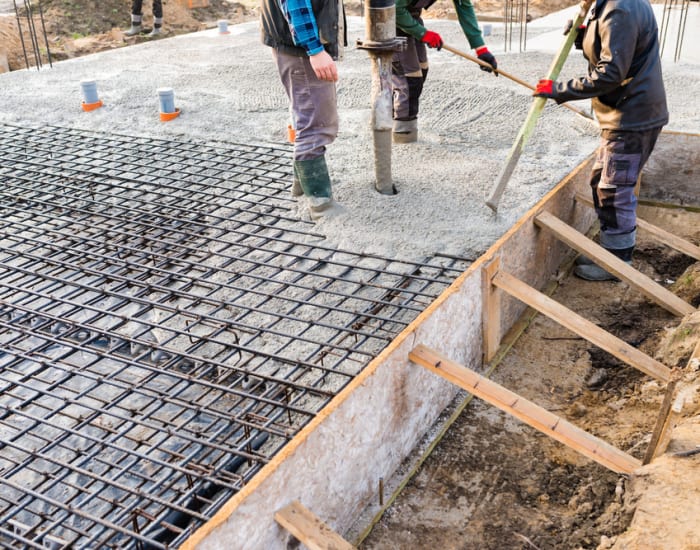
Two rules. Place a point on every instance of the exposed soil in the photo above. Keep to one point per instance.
(493, 482)
(76, 28)
(79, 27)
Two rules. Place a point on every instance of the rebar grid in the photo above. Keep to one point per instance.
(166, 325)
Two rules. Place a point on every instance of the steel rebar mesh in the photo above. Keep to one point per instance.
(166, 326)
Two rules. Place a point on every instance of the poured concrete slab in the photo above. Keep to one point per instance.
(227, 89)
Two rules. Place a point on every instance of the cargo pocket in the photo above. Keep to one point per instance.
(621, 169)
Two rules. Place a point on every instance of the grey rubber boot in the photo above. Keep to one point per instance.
(621, 246)
(316, 184)
(135, 26)
(405, 131)
(157, 29)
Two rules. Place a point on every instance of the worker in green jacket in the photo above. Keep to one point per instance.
(410, 66)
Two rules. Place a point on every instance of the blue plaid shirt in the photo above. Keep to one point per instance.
(302, 23)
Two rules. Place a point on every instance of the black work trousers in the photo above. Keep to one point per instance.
(137, 7)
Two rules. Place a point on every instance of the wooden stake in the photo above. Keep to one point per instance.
(309, 529)
(491, 314)
(668, 414)
(527, 411)
(662, 424)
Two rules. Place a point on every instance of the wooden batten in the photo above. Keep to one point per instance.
(491, 310)
(532, 414)
(583, 327)
(309, 529)
(613, 264)
(669, 239)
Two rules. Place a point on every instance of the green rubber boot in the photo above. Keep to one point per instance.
(297, 191)
(313, 177)
(316, 184)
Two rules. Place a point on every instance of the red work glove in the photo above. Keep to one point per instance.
(544, 88)
(432, 39)
(484, 54)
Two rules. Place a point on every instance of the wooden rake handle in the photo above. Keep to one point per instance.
(510, 77)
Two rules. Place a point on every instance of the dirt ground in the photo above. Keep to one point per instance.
(493, 482)
(79, 27)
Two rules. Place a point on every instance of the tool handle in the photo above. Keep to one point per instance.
(535, 109)
(485, 65)
(510, 77)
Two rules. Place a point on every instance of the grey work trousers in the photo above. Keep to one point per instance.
(620, 157)
(408, 71)
(314, 105)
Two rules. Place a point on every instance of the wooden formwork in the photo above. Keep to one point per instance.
(333, 467)
(336, 465)
(328, 473)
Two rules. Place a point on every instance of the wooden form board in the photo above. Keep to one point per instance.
(661, 235)
(581, 326)
(309, 529)
(613, 264)
(527, 411)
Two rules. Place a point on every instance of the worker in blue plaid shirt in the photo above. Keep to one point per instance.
(307, 37)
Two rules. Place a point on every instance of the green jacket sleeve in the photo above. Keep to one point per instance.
(467, 20)
(406, 22)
